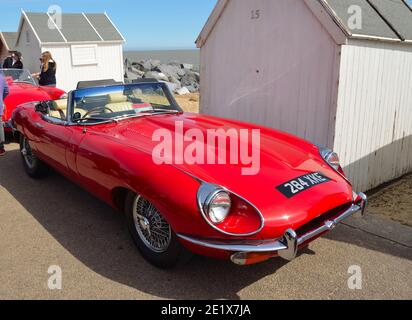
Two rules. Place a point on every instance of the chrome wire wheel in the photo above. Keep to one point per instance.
(27, 153)
(152, 228)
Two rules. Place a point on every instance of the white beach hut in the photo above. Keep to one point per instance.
(85, 46)
(7, 43)
(335, 72)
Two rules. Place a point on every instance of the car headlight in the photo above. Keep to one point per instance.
(63, 96)
(214, 202)
(218, 207)
(227, 212)
(331, 158)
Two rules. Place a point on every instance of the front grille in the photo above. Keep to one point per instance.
(320, 221)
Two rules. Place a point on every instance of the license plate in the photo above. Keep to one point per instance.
(301, 184)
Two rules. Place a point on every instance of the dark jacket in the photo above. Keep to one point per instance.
(48, 77)
(17, 65)
(8, 63)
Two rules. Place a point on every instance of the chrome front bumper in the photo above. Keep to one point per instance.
(286, 247)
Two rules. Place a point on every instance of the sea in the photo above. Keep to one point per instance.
(165, 56)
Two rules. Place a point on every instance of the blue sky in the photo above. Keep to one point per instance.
(146, 24)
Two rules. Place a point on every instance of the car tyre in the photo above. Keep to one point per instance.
(145, 223)
(33, 166)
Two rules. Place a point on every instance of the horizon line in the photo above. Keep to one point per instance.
(126, 48)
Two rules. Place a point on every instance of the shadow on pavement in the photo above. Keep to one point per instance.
(96, 235)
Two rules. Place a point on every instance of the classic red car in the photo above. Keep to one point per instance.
(105, 139)
(23, 88)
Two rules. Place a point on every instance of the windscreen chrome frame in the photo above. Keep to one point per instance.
(70, 102)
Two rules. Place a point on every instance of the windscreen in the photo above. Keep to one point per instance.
(122, 101)
(18, 75)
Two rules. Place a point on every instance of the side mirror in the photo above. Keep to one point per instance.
(42, 107)
(76, 116)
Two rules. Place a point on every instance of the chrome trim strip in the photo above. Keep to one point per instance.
(329, 225)
(286, 246)
(270, 246)
(53, 120)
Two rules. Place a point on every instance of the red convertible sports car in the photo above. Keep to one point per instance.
(105, 139)
(23, 88)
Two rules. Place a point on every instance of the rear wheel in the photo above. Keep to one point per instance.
(152, 234)
(33, 166)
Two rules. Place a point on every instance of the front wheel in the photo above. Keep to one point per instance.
(33, 166)
(152, 234)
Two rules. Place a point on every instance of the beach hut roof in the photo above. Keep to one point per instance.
(381, 19)
(9, 39)
(75, 28)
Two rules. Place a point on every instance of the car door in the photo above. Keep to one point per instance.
(91, 159)
(53, 134)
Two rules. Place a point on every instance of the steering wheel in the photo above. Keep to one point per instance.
(97, 109)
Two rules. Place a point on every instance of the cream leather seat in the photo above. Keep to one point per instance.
(58, 109)
(117, 102)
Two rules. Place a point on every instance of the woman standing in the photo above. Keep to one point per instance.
(47, 76)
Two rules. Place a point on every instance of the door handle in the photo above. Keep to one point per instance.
(39, 125)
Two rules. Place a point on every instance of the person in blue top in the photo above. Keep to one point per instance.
(4, 91)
